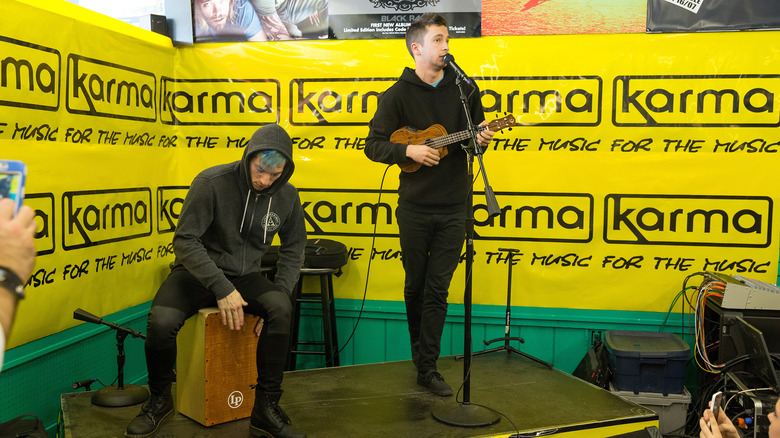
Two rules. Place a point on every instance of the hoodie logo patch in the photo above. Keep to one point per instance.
(271, 222)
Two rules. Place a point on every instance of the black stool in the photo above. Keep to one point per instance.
(325, 298)
(268, 271)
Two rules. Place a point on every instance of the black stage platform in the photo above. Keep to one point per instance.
(385, 400)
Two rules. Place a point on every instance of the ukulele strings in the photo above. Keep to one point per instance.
(451, 138)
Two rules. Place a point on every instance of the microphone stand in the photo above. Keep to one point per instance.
(466, 414)
(506, 347)
(119, 394)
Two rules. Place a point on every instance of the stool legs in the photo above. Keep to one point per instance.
(326, 320)
(328, 310)
(296, 318)
(332, 322)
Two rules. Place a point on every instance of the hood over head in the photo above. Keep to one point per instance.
(269, 137)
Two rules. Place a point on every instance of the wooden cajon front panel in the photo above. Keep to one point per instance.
(215, 369)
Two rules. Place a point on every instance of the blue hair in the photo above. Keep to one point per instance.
(271, 158)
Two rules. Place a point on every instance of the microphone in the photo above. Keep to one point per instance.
(449, 59)
(83, 315)
(84, 383)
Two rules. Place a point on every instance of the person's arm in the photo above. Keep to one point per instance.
(723, 429)
(8, 302)
(292, 237)
(259, 36)
(17, 254)
(385, 122)
(273, 27)
(197, 214)
(249, 23)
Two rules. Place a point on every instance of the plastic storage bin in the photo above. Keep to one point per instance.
(672, 409)
(647, 361)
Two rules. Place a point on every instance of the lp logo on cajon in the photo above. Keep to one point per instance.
(235, 399)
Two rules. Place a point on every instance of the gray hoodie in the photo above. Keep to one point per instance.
(225, 225)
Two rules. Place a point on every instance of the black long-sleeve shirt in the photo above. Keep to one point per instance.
(411, 102)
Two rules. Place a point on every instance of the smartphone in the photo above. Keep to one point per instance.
(12, 178)
(715, 404)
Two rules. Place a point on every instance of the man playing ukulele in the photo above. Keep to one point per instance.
(432, 200)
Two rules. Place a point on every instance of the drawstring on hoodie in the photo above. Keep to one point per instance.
(243, 216)
(267, 216)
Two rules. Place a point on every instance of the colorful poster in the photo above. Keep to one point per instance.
(259, 20)
(375, 19)
(551, 17)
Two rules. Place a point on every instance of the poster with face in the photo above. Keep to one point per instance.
(259, 20)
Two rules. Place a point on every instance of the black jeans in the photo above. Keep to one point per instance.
(181, 296)
(430, 247)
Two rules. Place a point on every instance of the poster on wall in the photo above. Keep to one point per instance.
(375, 19)
(259, 20)
(711, 15)
(551, 17)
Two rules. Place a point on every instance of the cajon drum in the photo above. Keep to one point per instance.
(215, 367)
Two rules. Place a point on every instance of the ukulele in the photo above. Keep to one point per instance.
(436, 137)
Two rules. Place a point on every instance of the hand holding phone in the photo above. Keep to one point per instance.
(715, 405)
(12, 177)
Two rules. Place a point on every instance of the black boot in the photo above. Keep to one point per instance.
(158, 408)
(268, 419)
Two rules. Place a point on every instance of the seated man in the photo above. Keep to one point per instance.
(228, 220)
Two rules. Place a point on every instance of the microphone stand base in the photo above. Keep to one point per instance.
(113, 396)
(465, 415)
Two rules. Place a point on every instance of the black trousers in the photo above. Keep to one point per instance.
(181, 296)
(430, 246)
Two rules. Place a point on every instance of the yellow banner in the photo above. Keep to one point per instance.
(636, 161)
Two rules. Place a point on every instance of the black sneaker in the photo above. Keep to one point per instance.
(435, 382)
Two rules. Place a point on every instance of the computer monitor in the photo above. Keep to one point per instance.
(754, 346)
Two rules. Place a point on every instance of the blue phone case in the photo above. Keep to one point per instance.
(12, 179)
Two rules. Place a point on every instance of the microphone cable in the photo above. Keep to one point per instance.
(84, 384)
(468, 275)
(87, 383)
(368, 269)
